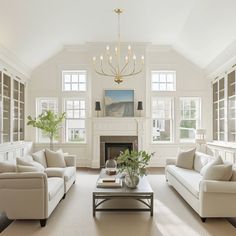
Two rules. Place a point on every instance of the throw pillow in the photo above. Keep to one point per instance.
(185, 158)
(40, 158)
(218, 172)
(55, 159)
(200, 160)
(21, 168)
(216, 161)
(22, 162)
(233, 178)
(6, 166)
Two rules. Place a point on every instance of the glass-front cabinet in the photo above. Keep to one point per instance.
(224, 106)
(12, 106)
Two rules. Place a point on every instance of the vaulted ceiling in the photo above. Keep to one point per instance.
(36, 29)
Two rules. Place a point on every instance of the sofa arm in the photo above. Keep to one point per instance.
(70, 160)
(212, 186)
(170, 161)
(55, 172)
(29, 180)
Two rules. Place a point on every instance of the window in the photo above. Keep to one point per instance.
(162, 119)
(74, 80)
(163, 80)
(190, 118)
(43, 105)
(75, 120)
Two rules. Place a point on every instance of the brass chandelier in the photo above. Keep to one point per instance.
(110, 63)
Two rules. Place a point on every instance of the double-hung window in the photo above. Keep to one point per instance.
(190, 112)
(43, 105)
(162, 119)
(75, 120)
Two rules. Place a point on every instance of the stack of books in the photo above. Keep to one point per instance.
(109, 183)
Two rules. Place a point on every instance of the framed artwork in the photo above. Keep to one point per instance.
(119, 103)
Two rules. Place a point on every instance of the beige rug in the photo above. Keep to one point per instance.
(73, 216)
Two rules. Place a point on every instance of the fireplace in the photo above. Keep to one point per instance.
(111, 146)
(112, 150)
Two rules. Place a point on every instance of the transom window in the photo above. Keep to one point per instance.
(75, 120)
(74, 80)
(190, 118)
(163, 80)
(162, 119)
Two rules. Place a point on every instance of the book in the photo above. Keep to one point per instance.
(109, 183)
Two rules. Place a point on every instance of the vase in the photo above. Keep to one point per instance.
(132, 180)
(111, 164)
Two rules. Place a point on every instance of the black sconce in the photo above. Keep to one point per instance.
(140, 107)
(97, 107)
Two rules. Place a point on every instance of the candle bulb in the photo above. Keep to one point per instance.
(110, 58)
(94, 59)
(134, 57)
(101, 57)
(126, 59)
(107, 48)
(129, 48)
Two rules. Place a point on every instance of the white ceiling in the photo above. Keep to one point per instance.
(35, 29)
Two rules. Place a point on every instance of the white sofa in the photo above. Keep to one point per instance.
(34, 195)
(209, 198)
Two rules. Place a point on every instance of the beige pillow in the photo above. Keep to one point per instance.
(216, 161)
(40, 158)
(21, 168)
(200, 160)
(233, 178)
(218, 172)
(22, 162)
(185, 158)
(55, 159)
(6, 166)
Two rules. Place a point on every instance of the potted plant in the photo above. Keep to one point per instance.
(49, 122)
(134, 165)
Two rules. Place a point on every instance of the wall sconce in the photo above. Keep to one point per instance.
(140, 107)
(97, 107)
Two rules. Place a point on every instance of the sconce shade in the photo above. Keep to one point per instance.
(140, 106)
(97, 106)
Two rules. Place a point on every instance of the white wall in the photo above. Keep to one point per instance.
(46, 82)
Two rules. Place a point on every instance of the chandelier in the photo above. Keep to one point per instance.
(111, 64)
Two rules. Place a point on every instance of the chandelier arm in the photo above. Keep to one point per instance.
(102, 72)
(113, 68)
(133, 73)
(126, 64)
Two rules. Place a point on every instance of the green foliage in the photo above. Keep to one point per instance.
(133, 162)
(49, 122)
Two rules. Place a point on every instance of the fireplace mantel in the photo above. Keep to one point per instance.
(116, 126)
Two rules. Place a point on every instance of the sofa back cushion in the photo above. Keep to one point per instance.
(40, 158)
(185, 158)
(6, 166)
(212, 162)
(24, 162)
(200, 160)
(21, 168)
(218, 172)
(55, 159)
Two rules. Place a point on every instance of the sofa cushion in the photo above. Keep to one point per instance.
(200, 160)
(69, 172)
(55, 172)
(185, 158)
(54, 186)
(40, 158)
(20, 168)
(55, 159)
(6, 166)
(22, 162)
(218, 172)
(212, 162)
(189, 178)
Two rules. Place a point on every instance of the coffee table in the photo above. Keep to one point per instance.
(143, 193)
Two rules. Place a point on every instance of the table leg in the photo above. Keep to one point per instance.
(94, 205)
(151, 205)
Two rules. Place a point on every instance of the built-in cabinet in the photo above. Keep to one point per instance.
(224, 106)
(12, 108)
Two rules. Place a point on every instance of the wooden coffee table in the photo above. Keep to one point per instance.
(143, 193)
